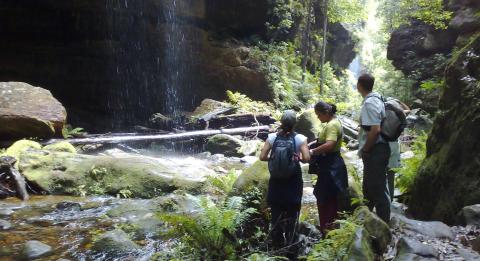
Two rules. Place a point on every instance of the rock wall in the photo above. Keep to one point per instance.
(111, 63)
(421, 52)
(105, 60)
(449, 178)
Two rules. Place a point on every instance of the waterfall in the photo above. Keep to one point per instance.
(178, 58)
(355, 67)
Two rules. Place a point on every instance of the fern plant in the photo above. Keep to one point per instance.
(211, 234)
(224, 183)
(408, 172)
(337, 242)
(70, 132)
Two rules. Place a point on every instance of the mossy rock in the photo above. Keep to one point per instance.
(21, 146)
(61, 146)
(225, 144)
(361, 248)
(254, 177)
(376, 228)
(114, 243)
(133, 176)
(448, 179)
(308, 124)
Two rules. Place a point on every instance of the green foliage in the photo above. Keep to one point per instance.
(432, 85)
(399, 12)
(210, 235)
(69, 132)
(408, 172)
(224, 183)
(337, 242)
(346, 11)
(247, 105)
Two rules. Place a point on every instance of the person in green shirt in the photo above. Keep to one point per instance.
(330, 167)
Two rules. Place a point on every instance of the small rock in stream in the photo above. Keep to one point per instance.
(68, 206)
(5, 225)
(6, 212)
(35, 249)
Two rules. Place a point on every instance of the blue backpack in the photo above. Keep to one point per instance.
(284, 161)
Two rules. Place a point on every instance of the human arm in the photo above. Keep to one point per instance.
(371, 120)
(324, 148)
(304, 152)
(372, 137)
(265, 151)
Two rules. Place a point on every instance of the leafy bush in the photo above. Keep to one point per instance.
(70, 132)
(211, 234)
(408, 172)
(337, 242)
(432, 85)
(224, 183)
(246, 105)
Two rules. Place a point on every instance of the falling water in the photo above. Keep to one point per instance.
(178, 59)
(355, 67)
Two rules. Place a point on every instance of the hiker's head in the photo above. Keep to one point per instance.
(365, 84)
(325, 111)
(288, 121)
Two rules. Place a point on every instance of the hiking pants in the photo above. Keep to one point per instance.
(284, 223)
(375, 187)
(391, 183)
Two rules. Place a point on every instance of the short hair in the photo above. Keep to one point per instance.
(367, 81)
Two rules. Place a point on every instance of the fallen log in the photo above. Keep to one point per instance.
(9, 171)
(238, 120)
(159, 137)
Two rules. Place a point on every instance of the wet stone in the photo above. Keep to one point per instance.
(6, 212)
(35, 249)
(5, 225)
(68, 206)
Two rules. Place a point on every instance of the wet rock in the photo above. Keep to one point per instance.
(68, 206)
(360, 248)
(308, 230)
(5, 225)
(225, 144)
(125, 174)
(63, 259)
(35, 249)
(378, 230)
(28, 111)
(114, 243)
(251, 147)
(469, 215)
(468, 255)
(6, 251)
(433, 229)
(6, 212)
(411, 250)
(160, 121)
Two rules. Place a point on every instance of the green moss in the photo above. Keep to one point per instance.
(21, 146)
(256, 176)
(61, 146)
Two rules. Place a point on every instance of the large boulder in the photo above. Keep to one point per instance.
(225, 144)
(434, 229)
(376, 228)
(411, 250)
(451, 162)
(254, 177)
(123, 174)
(28, 111)
(469, 215)
(308, 124)
(361, 248)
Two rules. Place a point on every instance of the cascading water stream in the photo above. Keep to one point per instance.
(177, 59)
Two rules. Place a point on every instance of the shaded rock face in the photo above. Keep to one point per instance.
(420, 51)
(452, 161)
(28, 111)
(108, 61)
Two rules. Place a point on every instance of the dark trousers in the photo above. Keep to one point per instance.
(328, 213)
(391, 183)
(375, 187)
(284, 223)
